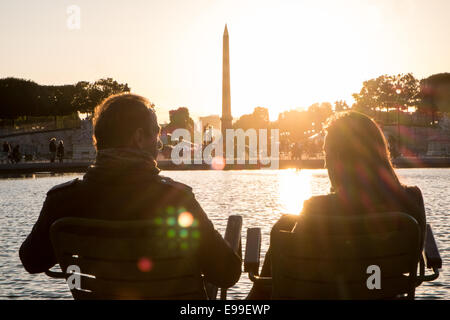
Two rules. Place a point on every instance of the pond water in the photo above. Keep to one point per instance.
(260, 196)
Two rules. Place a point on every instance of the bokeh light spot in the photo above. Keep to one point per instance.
(144, 264)
(185, 219)
(184, 245)
(171, 233)
(195, 234)
(183, 233)
(170, 210)
(171, 221)
(218, 163)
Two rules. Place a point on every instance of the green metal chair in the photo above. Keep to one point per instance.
(132, 259)
(333, 257)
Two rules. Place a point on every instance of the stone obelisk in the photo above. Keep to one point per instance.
(226, 96)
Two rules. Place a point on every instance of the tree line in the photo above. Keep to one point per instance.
(378, 98)
(20, 97)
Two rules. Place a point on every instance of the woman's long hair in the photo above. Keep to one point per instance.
(358, 162)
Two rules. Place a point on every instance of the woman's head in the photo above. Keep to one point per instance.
(357, 158)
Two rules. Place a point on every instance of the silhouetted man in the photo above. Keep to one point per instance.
(52, 149)
(6, 151)
(16, 156)
(124, 184)
(6, 147)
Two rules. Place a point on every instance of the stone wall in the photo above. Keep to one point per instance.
(414, 140)
(77, 142)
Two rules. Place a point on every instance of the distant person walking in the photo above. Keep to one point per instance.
(298, 151)
(60, 151)
(16, 156)
(52, 149)
(6, 151)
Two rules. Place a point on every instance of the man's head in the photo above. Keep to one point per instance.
(126, 121)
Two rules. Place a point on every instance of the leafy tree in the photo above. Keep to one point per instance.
(388, 92)
(297, 125)
(180, 118)
(102, 89)
(435, 94)
(81, 99)
(19, 97)
(341, 105)
(259, 119)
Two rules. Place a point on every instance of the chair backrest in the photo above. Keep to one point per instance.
(329, 257)
(128, 259)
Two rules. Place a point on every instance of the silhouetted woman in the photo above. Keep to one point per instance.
(362, 180)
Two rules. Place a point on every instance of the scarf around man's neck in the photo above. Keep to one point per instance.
(117, 162)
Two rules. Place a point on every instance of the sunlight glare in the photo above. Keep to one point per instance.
(294, 188)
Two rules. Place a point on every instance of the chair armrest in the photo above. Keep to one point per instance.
(252, 251)
(233, 238)
(431, 253)
(211, 291)
(233, 233)
(56, 274)
(260, 281)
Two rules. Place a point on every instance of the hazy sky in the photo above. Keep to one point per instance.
(283, 54)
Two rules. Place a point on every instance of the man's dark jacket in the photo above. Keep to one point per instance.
(128, 194)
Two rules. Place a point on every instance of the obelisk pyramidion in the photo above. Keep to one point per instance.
(226, 96)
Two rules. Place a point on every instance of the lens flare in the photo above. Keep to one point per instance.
(184, 234)
(171, 233)
(185, 219)
(170, 210)
(144, 264)
(171, 221)
(218, 163)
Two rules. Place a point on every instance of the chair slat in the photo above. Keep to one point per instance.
(349, 246)
(351, 270)
(143, 289)
(146, 268)
(288, 288)
(121, 248)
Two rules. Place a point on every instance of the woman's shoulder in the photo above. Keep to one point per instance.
(413, 191)
(333, 203)
(322, 203)
(413, 199)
